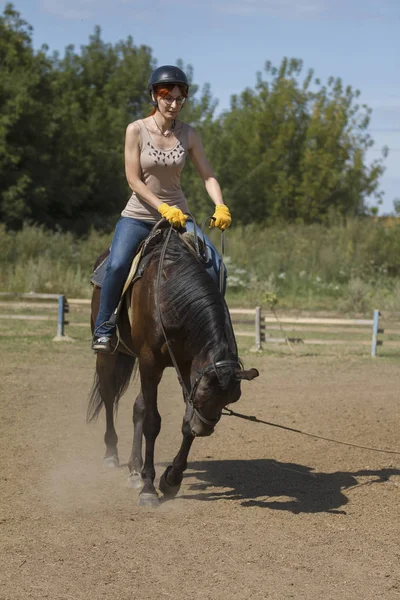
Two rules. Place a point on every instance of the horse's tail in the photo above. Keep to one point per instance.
(125, 366)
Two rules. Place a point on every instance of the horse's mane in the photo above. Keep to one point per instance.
(192, 303)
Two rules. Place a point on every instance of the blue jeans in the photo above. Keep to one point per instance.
(128, 235)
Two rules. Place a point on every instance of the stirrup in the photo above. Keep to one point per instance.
(102, 344)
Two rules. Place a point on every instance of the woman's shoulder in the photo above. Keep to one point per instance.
(191, 134)
(135, 126)
(134, 136)
(136, 132)
(186, 126)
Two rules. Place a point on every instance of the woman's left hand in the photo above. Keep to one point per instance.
(221, 217)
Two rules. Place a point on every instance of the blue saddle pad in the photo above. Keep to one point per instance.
(98, 274)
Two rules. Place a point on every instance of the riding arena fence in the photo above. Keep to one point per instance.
(263, 326)
(39, 303)
(267, 323)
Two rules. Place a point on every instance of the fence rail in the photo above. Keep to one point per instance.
(261, 325)
(62, 308)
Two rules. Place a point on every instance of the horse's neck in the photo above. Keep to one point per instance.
(229, 334)
(212, 355)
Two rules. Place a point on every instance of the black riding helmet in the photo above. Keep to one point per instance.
(167, 74)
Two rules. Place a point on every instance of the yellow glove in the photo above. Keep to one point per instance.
(173, 214)
(222, 217)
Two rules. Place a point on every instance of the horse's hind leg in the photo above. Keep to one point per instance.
(135, 463)
(110, 438)
(150, 378)
(108, 391)
(105, 391)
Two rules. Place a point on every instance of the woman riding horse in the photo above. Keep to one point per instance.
(155, 151)
(178, 315)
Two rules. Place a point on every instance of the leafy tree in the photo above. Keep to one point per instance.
(62, 126)
(289, 150)
(296, 150)
(99, 92)
(26, 126)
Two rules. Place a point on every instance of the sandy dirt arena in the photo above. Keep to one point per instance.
(262, 512)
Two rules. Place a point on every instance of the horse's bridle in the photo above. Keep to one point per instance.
(189, 396)
(190, 399)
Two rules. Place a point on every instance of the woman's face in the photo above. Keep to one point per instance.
(170, 105)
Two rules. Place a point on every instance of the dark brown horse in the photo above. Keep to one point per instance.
(179, 318)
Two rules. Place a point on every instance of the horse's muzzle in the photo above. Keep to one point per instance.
(200, 429)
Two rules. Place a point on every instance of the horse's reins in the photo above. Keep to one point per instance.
(222, 254)
(230, 413)
(189, 396)
(221, 266)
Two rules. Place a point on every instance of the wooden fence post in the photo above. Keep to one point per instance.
(375, 328)
(60, 319)
(62, 309)
(258, 328)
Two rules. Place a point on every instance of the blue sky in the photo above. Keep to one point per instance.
(228, 41)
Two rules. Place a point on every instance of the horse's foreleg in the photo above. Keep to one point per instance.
(135, 463)
(171, 479)
(151, 429)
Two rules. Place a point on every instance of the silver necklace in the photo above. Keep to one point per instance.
(165, 133)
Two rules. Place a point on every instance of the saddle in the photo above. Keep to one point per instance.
(144, 253)
(142, 259)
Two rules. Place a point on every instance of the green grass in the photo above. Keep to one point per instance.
(349, 268)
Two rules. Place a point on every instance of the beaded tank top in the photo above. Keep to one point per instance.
(161, 172)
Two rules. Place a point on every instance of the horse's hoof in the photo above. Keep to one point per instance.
(168, 490)
(135, 480)
(111, 461)
(149, 500)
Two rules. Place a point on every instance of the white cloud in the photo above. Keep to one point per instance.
(310, 9)
(280, 8)
(70, 9)
(354, 10)
(94, 9)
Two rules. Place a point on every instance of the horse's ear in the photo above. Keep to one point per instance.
(249, 374)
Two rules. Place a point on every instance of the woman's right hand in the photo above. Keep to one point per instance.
(221, 217)
(172, 214)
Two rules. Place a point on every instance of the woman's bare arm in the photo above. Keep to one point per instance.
(202, 166)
